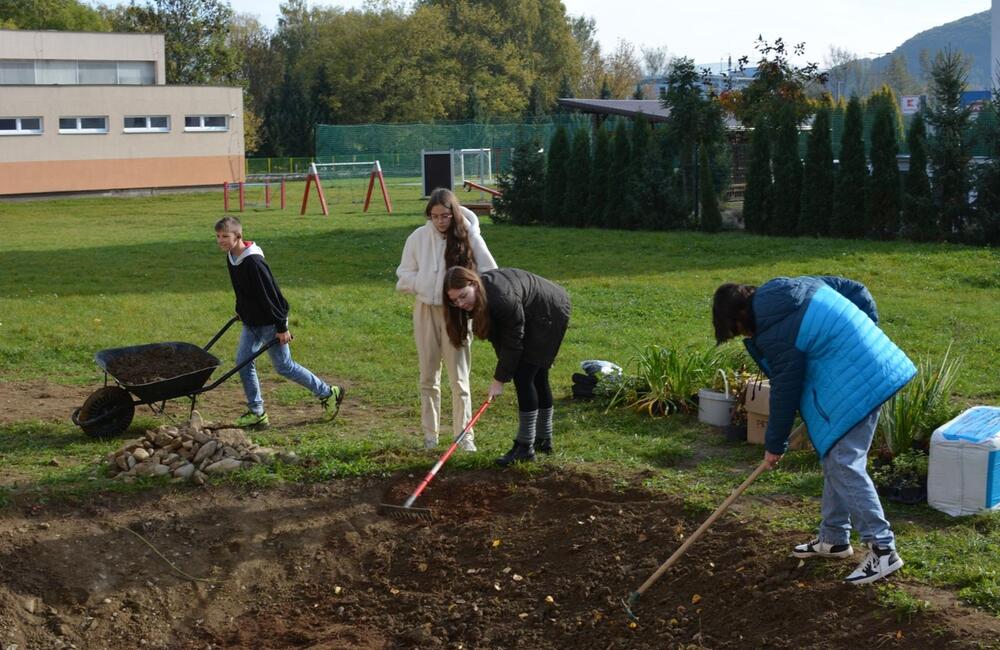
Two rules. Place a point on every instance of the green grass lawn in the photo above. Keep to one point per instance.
(81, 275)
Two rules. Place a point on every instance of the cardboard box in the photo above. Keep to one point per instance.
(758, 405)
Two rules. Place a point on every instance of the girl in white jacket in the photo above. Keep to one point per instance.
(449, 238)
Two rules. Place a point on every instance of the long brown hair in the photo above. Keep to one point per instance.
(457, 248)
(457, 320)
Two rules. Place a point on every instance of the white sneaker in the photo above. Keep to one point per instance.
(878, 563)
(467, 444)
(817, 548)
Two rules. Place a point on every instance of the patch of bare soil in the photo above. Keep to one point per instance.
(509, 561)
(44, 401)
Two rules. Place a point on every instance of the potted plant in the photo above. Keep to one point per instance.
(736, 430)
(904, 478)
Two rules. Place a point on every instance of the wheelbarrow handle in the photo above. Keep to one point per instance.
(221, 332)
(235, 370)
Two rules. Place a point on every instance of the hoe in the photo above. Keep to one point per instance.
(632, 600)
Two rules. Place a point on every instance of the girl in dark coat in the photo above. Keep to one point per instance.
(525, 317)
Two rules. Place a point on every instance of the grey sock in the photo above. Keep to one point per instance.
(544, 426)
(526, 427)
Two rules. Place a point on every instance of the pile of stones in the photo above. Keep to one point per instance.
(187, 453)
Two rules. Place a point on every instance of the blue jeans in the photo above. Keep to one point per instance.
(253, 338)
(849, 496)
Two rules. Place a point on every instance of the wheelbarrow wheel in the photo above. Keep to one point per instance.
(106, 413)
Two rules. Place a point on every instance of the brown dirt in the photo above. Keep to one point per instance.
(158, 362)
(318, 567)
(27, 401)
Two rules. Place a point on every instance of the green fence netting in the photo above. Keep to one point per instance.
(397, 146)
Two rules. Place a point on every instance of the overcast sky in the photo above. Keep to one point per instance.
(712, 31)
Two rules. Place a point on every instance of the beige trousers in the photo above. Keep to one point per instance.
(433, 347)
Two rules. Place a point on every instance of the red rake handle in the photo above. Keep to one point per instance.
(441, 461)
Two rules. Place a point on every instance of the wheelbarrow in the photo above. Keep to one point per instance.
(109, 410)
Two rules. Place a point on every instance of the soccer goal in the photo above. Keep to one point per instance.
(344, 182)
(257, 194)
(475, 165)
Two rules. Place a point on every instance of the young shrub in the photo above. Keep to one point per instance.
(666, 381)
(757, 196)
(787, 199)
(711, 217)
(911, 415)
(885, 189)
(851, 178)
(576, 204)
(600, 171)
(555, 177)
(817, 179)
(634, 209)
(919, 215)
(523, 187)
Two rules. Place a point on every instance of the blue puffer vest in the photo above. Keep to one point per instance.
(818, 341)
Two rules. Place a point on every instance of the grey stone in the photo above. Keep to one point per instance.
(206, 450)
(223, 466)
(184, 471)
(140, 454)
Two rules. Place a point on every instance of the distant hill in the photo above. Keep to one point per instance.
(970, 35)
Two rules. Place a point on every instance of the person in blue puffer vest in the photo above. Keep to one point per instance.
(817, 339)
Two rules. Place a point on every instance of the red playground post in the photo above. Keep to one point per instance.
(377, 173)
(314, 177)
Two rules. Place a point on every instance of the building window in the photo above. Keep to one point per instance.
(83, 125)
(72, 72)
(147, 124)
(136, 73)
(55, 72)
(206, 123)
(20, 125)
(14, 72)
(98, 72)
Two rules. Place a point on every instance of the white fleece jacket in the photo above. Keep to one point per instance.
(422, 268)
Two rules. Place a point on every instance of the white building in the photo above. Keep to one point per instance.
(88, 111)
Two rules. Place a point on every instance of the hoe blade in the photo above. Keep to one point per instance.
(405, 513)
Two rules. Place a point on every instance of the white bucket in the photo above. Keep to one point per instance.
(716, 408)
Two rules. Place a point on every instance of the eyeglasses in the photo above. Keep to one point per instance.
(444, 216)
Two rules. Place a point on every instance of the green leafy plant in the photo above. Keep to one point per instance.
(666, 380)
(906, 470)
(912, 414)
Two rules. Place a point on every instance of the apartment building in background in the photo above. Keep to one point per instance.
(91, 112)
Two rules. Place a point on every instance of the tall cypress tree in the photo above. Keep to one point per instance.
(757, 195)
(711, 217)
(949, 150)
(817, 179)
(634, 208)
(599, 178)
(555, 176)
(618, 185)
(919, 214)
(884, 195)
(787, 199)
(577, 201)
(523, 187)
(852, 176)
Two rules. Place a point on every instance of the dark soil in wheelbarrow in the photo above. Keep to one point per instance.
(157, 363)
(510, 561)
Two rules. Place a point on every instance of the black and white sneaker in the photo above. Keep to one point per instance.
(817, 548)
(878, 563)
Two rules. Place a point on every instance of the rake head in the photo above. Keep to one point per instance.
(405, 513)
(629, 603)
